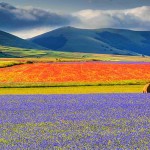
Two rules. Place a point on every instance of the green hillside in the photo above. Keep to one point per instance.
(13, 52)
(7, 39)
(19, 54)
(99, 41)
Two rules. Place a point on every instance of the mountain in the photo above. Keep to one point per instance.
(7, 39)
(101, 41)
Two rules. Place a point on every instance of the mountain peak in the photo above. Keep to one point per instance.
(67, 28)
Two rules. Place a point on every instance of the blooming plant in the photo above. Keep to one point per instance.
(90, 121)
(75, 72)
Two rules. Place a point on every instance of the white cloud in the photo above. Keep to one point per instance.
(136, 18)
(30, 22)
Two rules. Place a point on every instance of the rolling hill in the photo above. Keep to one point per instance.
(15, 52)
(10, 40)
(19, 54)
(101, 41)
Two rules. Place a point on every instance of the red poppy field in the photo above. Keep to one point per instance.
(87, 72)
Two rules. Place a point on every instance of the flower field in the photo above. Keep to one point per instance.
(87, 72)
(90, 121)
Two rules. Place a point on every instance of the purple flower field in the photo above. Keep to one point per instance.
(61, 122)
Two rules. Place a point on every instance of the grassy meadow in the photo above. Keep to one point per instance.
(11, 56)
(20, 54)
(47, 103)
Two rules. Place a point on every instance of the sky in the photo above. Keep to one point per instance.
(29, 18)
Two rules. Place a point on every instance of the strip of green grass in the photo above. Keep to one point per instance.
(74, 90)
(69, 84)
(50, 55)
(9, 63)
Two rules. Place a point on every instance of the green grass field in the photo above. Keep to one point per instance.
(70, 84)
(74, 90)
(10, 56)
(13, 52)
(19, 54)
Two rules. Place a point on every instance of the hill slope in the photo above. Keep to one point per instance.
(15, 54)
(7, 39)
(101, 41)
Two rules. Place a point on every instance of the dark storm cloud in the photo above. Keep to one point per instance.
(14, 19)
(27, 23)
(76, 5)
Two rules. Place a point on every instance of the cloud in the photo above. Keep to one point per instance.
(29, 22)
(15, 19)
(136, 18)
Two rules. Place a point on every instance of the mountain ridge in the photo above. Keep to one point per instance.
(104, 40)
